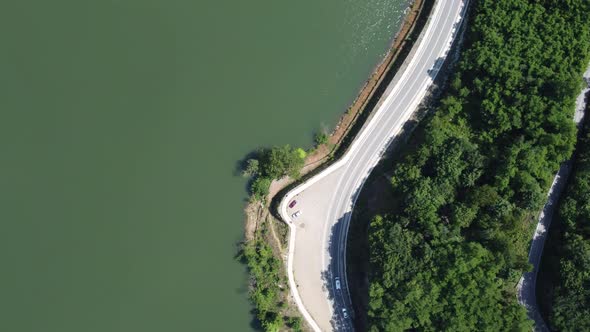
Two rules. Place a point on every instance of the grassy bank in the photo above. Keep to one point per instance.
(269, 289)
(562, 289)
(450, 251)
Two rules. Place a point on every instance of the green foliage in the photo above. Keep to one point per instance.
(281, 161)
(301, 154)
(265, 280)
(450, 253)
(294, 323)
(264, 269)
(260, 187)
(252, 167)
(274, 323)
(273, 164)
(321, 138)
(570, 307)
(448, 287)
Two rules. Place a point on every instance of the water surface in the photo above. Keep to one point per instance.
(120, 125)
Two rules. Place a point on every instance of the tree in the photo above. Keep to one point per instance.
(321, 138)
(569, 243)
(529, 194)
(260, 187)
(281, 161)
(273, 323)
(251, 169)
(294, 323)
(456, 240)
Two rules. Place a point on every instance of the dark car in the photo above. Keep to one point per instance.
(292, 204)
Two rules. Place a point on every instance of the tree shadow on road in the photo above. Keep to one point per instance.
(336, 270)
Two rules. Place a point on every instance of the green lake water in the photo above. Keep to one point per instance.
(120, 126)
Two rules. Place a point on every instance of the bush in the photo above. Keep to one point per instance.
(265, 293)
(259, 188)
(294, 323)
(321, 138)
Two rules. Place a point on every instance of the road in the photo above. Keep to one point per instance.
(317, 242)
(527, 285)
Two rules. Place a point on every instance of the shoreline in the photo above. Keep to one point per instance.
(367, 90)
(324, 153)
(260, 216)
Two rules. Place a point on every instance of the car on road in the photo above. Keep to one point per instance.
(337, 282)
(344, 313)
(292, 204)
(296, 214)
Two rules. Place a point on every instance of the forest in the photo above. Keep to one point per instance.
(470, 183)
(565, 271)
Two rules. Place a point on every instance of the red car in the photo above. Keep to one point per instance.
(292, 204)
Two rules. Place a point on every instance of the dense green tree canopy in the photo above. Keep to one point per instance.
(570, 247)
(281, 161)
(452, 251)
(271, 164)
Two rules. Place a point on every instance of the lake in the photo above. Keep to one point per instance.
(121, 123)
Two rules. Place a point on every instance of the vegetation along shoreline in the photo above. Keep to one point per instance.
(272, 171)
(448, 241)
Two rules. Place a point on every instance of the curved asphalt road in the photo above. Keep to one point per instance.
(527, 286)
(317, 241)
